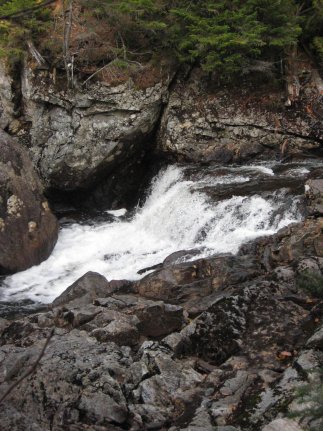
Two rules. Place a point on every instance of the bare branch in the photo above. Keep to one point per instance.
(69, 64)
(31, 370)
(95, 73)
(123, 47)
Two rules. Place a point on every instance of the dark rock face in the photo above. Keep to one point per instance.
(28, 229)
(229, 125)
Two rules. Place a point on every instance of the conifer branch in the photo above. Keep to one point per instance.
(24, 12)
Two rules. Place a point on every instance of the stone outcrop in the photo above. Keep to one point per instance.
(96, 136)
(28, 229)
(79, 137)
(203, 123)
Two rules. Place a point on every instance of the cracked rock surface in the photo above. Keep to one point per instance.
(225, 125)
(80, 136)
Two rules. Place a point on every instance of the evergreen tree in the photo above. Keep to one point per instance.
(221, 35)
(312, 24)
(20, 21)
(227, 35)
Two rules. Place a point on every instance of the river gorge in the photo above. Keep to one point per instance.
(161, 254)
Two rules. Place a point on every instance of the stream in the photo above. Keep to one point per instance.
(208, 209)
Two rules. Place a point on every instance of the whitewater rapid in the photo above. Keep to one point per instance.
(176, 215)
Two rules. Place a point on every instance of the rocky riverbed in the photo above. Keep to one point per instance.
(220, 342)
(194, 306)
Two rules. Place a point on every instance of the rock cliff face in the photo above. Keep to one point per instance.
(206, 124)
(99, 134)
(28, 229)
(80, 136)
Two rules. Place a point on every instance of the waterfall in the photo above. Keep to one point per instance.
(176, 215)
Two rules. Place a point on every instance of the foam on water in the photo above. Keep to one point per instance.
(209, 180)
(297, 172)
(118, 213)
(174, 217)
(262, 169)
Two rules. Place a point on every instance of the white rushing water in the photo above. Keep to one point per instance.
(177, 215)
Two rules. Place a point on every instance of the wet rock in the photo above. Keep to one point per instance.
(150, 268)
(289, 245)
(87, 288)
(180, 256)
(197, 279)
(252, 187)
(28, 229)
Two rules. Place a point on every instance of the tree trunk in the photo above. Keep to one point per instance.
(68, 17)
(291, 73)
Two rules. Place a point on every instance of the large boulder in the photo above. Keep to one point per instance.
(81, 137)
(184, 282)
(230, 124)
(28, 229)
(89, 287)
